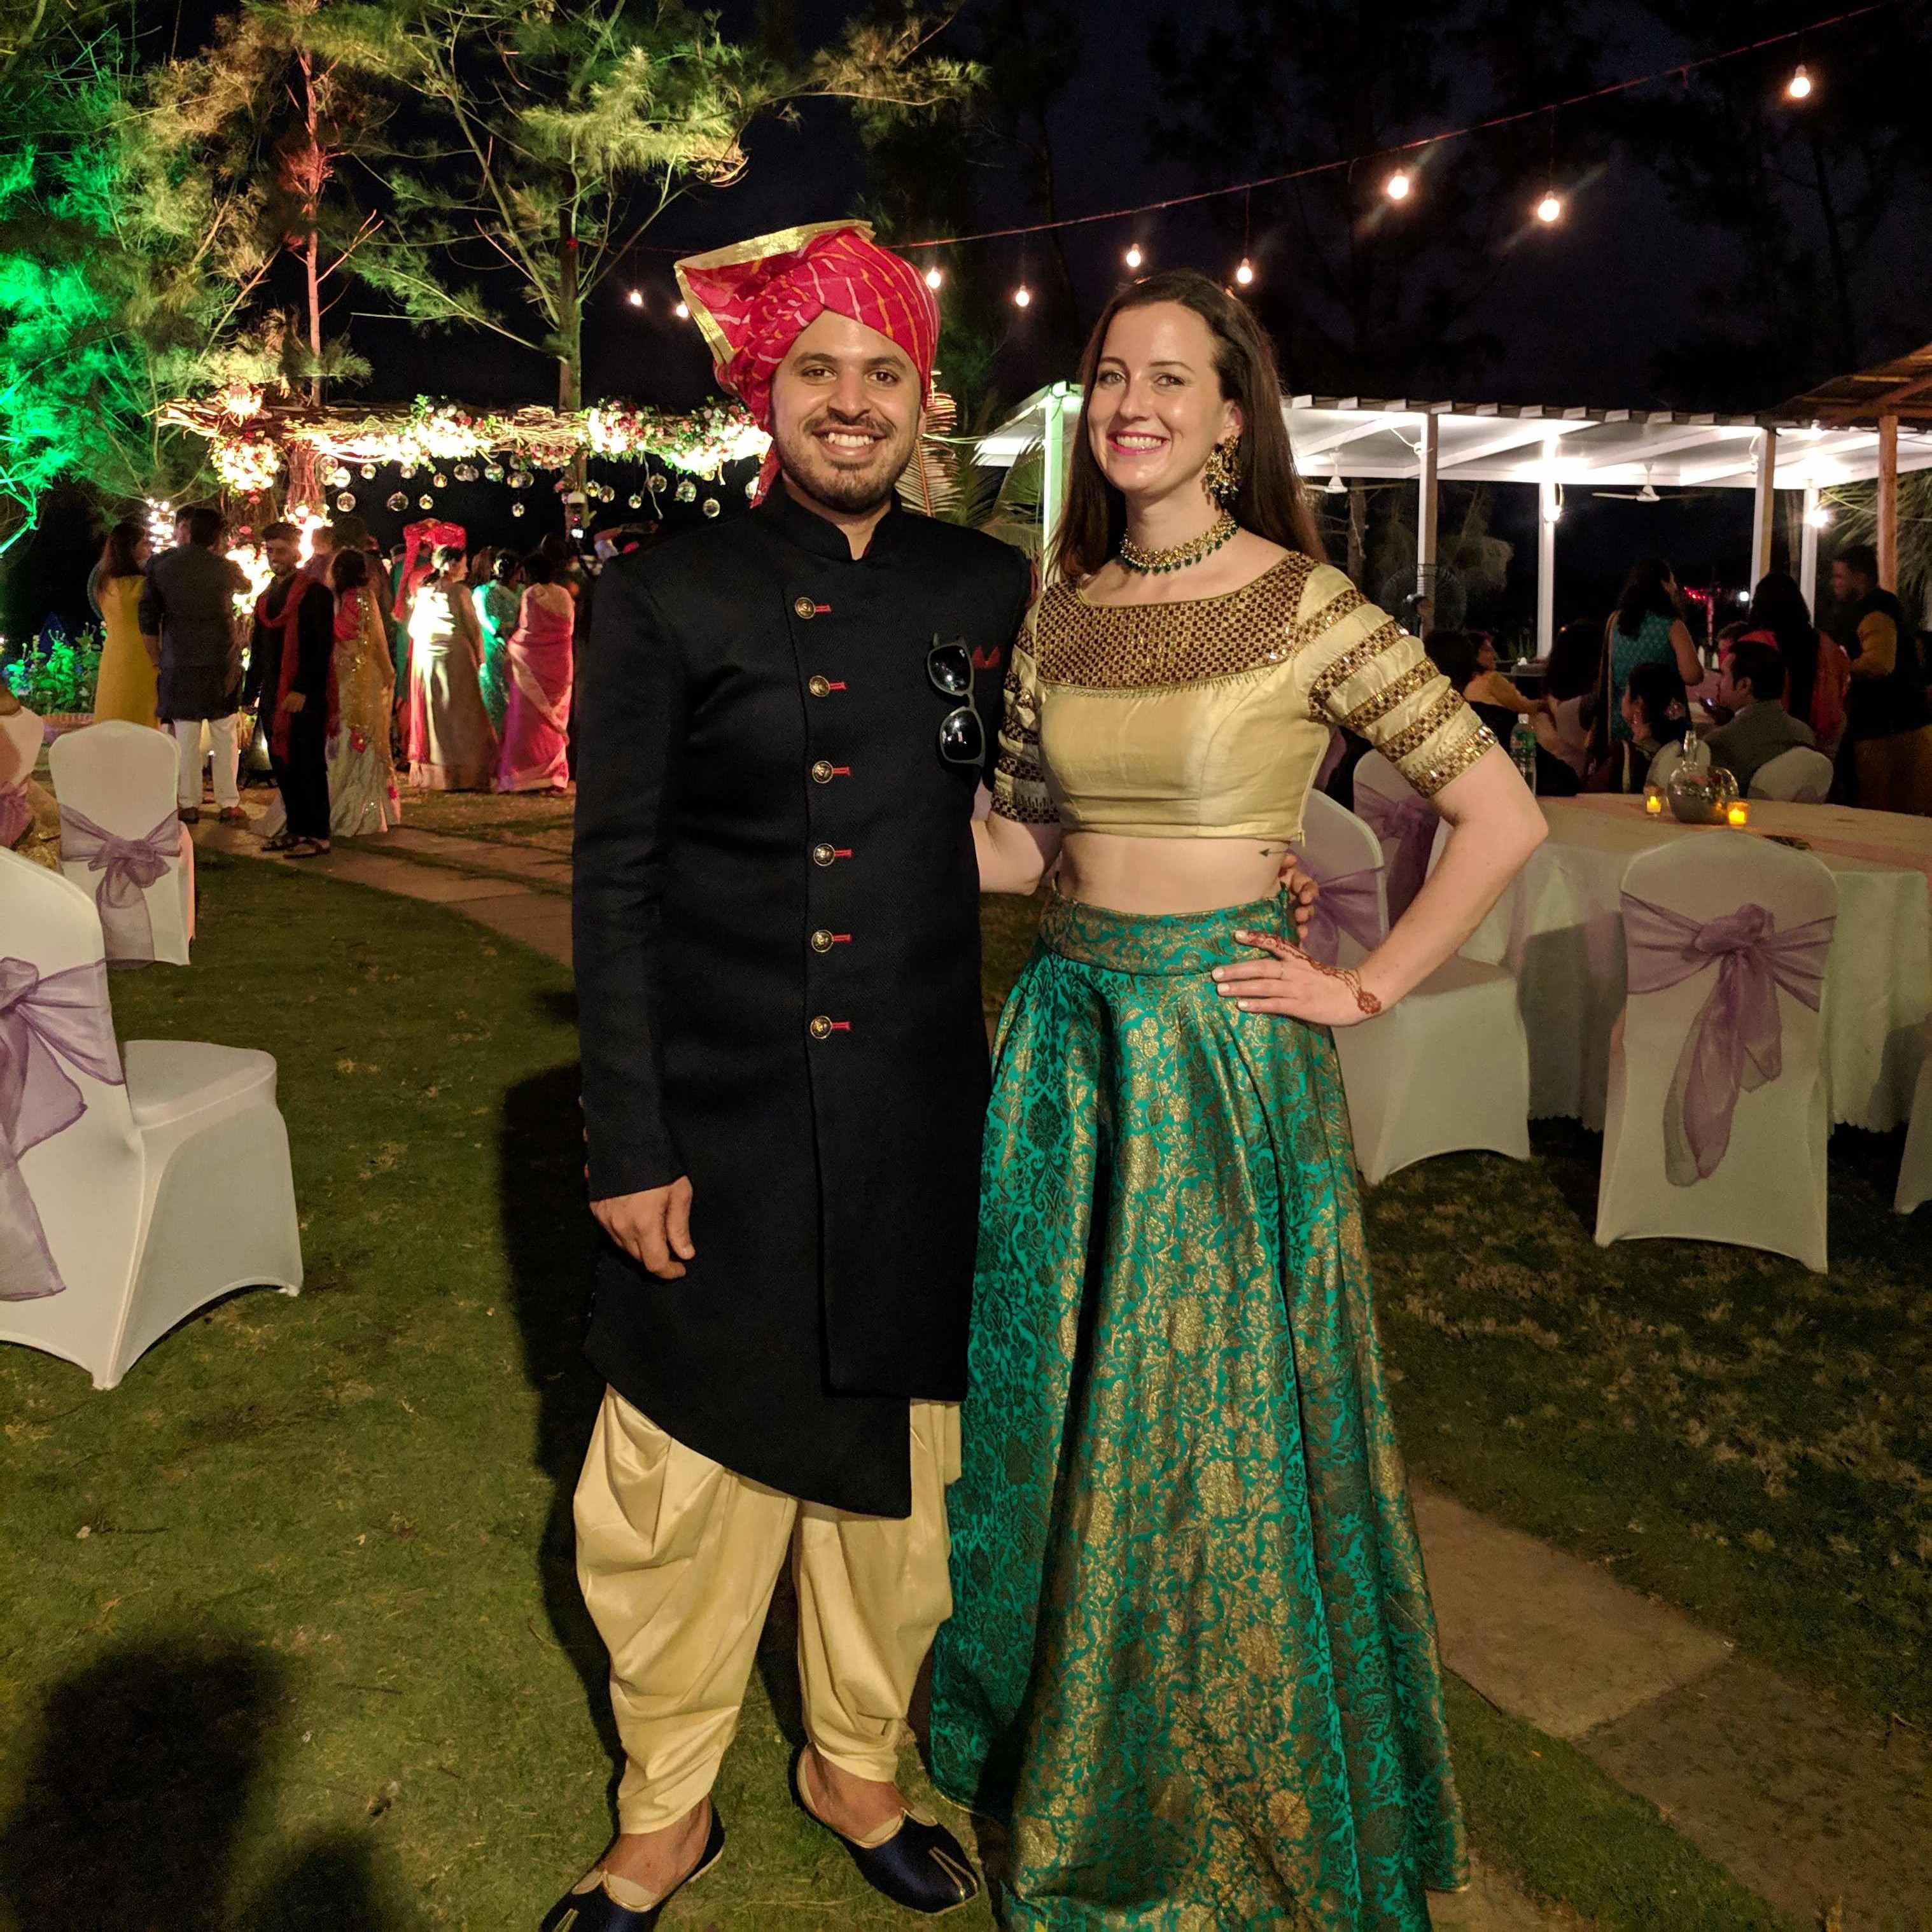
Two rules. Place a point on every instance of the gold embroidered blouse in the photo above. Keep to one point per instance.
(1208, 719)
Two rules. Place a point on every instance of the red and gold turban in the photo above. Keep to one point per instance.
(752, 301)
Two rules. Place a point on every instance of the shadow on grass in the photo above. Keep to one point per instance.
(144, 1775)
(550, 1241)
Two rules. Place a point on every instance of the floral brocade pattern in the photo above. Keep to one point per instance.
(1193, 1660)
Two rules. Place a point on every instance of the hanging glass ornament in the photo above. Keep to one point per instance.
(517, 509)
(687, 491)
(347, 501)
(493, 473)
(634, 503)
(520, 479)
(751, 487)
(368, 472)
(441, 481)
(466, 473)
(397, 501)
(337, 477)
(425, 502)
(712, 506)
(408, 472)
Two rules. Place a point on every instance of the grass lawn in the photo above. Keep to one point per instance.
(291, 1637)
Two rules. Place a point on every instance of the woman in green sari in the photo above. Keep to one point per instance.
(1192, 1662)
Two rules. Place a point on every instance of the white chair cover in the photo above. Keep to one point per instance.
(1915, 1171)
(130, 1194)
(1801, 775)
(1444, 1070)
(1715, 1124)
(1405, 822)
(122, 840)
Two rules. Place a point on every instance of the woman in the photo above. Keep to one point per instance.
(1192, 1659)
(1656, 721)
(1569, 682)
(452, 746)
(497, 598)
(536, 727)
(362, 793)
(124, 686)
(1647, 627)
(1817, 670)
(1467, 659)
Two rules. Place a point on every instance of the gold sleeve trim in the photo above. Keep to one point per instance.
(1417, 677)
(1346, 664)
(1023, 812)
(1455, 758)
(1411, 738)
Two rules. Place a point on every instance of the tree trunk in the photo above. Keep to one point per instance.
(1357, 528)
(570, 358)
(311, 238)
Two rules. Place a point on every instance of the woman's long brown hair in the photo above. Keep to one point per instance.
(1271, 501)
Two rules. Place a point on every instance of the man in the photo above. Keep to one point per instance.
(291, 678)
(785, 1074)
(187, 616)
(1750, 686)
(1887, 722)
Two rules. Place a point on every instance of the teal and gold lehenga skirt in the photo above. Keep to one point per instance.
(1192, 1662)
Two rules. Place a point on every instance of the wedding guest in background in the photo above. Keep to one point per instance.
(1889, 724)
(362, 793)
(1818, 672)
(1647, 627)
(186, 613)
(125, 685)
(1750, 686)
(1569, 682)
(498, 596)
(1656, 720)
(452, 746)
(291, 680)
(537, 659)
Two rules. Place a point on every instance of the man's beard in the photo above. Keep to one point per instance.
(853, 491)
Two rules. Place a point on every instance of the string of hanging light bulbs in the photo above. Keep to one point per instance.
(1403, 183)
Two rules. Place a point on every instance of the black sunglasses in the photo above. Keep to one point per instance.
(949, 668)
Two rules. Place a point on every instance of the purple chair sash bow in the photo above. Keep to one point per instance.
(1348, 902)
(1736, 1043)
(1407, 827)
(128, 868)
(42, 1021)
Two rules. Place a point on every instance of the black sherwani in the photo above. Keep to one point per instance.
(777, 951)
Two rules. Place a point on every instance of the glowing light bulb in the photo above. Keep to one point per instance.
(1818, 517)
(934, 278)
(1549, 208)
(636, 297)
(1799, 87)
(683, 311)
(1134, 257)
(1245, 274)
(1398, 185)
(1022, 296)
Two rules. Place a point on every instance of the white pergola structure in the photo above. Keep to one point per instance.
(1338, 439)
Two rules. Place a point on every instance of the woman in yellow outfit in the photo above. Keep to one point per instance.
(125, 687)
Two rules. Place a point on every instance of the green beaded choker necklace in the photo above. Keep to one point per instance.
(1158, 562)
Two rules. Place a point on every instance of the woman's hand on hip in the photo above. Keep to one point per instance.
(1286, 982)
(652, 1227)
(1303, 889)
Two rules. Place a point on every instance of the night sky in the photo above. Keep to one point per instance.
(1583, 311)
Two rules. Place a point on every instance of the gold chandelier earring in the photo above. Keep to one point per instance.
(1221, 474)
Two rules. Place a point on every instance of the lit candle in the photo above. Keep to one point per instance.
(1653, 800)
(1738, 812)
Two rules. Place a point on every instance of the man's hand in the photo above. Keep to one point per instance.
(653, 1227)
(1303, 889)
(294, 701)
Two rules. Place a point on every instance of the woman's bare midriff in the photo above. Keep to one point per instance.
(1168, 875)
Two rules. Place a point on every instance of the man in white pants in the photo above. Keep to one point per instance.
(187, 622)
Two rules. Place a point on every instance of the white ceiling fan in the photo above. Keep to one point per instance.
(1646, 495)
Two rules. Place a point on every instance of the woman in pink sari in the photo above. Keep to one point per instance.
(536, 726)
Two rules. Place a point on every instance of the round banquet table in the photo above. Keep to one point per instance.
(1559, 929)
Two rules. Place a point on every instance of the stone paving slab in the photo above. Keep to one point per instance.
(407, 880)
(1544, 1636)
(541, 920)
(451, 849)
(1805, 1802)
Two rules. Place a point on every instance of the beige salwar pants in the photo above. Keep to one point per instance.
(677, 1558)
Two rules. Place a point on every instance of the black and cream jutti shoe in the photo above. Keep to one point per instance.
(601, 1902)
(917, 1863)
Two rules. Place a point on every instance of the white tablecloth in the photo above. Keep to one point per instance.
(1559, 930)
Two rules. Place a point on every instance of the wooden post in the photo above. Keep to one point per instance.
(1052, 470)
(1888, 503)
(1549, 509)
(1425, 514)
(1764, 504)
(1807, 551)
